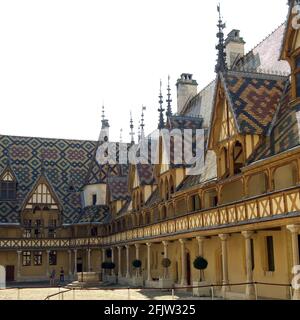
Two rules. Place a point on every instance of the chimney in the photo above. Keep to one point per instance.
(186, 90)
(235, 47)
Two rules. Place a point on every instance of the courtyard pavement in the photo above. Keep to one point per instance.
(39, 291)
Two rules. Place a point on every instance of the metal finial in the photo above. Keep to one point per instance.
(121, 135)
(131, 129)
(139, 132)
(104, 121)
(169, 100)
(143, 122)
(221, 61)
(161, 123)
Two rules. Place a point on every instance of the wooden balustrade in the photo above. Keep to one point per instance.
(245, 211)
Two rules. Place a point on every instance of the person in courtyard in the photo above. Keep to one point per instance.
(52, 278)
(62, 275)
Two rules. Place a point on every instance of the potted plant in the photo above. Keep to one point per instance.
(109, 266)
(166, 281)
(166, 263)
(137, 264)
(138, 280)
(201, 264)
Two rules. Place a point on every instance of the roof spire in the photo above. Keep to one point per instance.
(221, 61)
(139, 132)
(121, 135)
(104, 121)
(161, 123)
(143, 123)
(169, 100)
(131, 129)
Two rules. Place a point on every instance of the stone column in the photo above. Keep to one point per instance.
(88, 251)
(165, 244)
(113, 259)
(47, 263)
(119, 262)
(127, 261)
(149, 277)
(75, 262)
(19, 265)
(224, 238)
(137, 257)
(183, 263)
(294, 229)
(70, 263)
(103, 260)
(250, 288)
(200, 241)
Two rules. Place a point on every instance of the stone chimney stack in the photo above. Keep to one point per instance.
(186, 90)
(235, 47)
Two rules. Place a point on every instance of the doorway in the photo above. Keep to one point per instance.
(10, 273)
(79, 265)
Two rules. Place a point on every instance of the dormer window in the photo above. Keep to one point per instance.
(8, 187)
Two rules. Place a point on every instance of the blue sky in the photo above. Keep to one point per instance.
(60, 59)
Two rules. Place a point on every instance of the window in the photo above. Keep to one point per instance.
(52, 227)
(270, 254)
(52, 258)
(27, 229)
(94, 199)
(38, 228)
(94, 231)
(26, 258)
(195, 203)
(37, 258)
(27, 233)
(238, 157)
(7, 190)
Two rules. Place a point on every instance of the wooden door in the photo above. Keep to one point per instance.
(10, 273)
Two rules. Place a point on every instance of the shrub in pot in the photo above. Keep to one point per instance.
(166, 263)
(137, 264)
(200, 264)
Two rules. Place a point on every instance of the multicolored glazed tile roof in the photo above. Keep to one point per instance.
(284, 133)
(253, 98)
(64, 162)
(145, 172)
(94, 215)
(118, 188)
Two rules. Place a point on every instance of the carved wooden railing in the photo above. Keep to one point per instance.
(266, 207)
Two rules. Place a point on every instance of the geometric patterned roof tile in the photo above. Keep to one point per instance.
(254, 99)
(63, 161)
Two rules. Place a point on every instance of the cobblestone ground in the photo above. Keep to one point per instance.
(107, 294)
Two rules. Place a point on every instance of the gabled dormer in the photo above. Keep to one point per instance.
(243, 111)
(141, 184)
(8, 185)
(42, 197)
